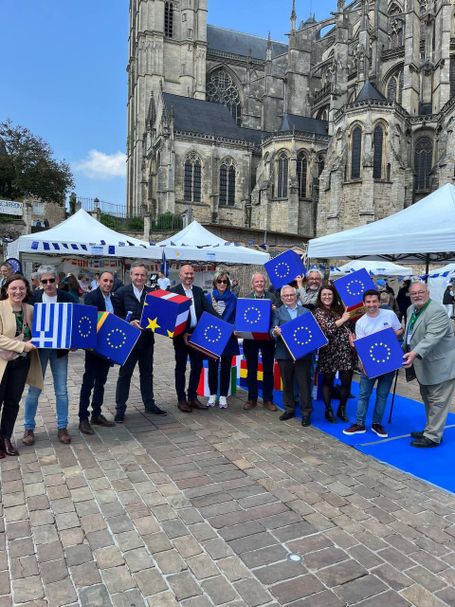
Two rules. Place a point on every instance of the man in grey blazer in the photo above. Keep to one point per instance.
(300, 370)
(430, 348)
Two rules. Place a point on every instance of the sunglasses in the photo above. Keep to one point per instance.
(222, 282)
(46, 281)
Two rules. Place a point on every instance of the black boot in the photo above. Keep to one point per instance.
(341, 413)
(330, 417)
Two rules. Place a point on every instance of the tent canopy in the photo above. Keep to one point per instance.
(82, 234)
(196, 243)
(422, 231)
(375, 268)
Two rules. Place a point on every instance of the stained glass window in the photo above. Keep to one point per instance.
(356, 152)
(192, 181)
(378, 141)
(302, 168)
(221, 89)
(283, 166)
(227, 183)
(423, 156)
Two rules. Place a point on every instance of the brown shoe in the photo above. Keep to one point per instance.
(85, 427)
(28, 438)
(269, 405)
(195, 403)
(10, 449)
(250, 404)
(184, 406)
(100, 420)
(63, 436)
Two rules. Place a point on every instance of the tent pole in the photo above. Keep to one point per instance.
(427, 266)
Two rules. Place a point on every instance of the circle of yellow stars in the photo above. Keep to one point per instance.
(252, 315)
(206, 334)
(112, 337)
(355, 287)
(80, 328)
(383, 356)
(305, 340)
(282, 273)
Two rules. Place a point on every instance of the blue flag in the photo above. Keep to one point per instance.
(352, 287)
(302, 335)
(64, 325)
(164, 268)
(211, 335)
(252, 318)
(284, 268)
(380, 352)
(115, 337)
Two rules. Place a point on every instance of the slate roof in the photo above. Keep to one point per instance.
(369, 92)
(291, 122)
(237, 43)
(207, 118)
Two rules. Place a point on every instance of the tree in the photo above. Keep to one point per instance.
(28, 167)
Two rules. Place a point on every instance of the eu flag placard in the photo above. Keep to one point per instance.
(283, 268)
(302, 335)
(165, 313)
(211, 335)
(115, 337)
(252, 318)
(380, 352)
(64, 325)
(352, 287)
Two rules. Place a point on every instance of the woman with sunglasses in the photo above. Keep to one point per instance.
(224, 302)
(338, 354)
(24, 365)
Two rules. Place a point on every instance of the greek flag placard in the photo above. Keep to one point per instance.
(253, 318)
(284, 268)
(352, 287)
(380, 352)
(302, 335)
(165, 313)
(211, 335)
(115, 337)
(64, 325)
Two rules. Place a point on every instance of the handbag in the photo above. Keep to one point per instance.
(9, 355)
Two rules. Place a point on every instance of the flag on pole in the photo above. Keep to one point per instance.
(164, 268)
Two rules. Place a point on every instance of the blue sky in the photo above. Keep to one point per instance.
(63, 75)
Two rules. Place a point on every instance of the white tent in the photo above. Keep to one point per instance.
(438, 280)
(196, 243)
(82, 234)
(424, 231)
(375, 268)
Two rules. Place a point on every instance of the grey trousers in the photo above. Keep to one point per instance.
(437, 399)
(300, 371)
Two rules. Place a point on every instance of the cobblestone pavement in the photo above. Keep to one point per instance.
(205, 509)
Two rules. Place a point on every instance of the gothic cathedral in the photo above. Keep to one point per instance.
(351, 120)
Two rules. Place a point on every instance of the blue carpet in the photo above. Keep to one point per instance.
(408, 415)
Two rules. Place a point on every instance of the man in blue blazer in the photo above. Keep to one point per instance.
(299, 370)
(97, 368)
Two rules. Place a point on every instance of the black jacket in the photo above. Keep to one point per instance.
(96, 298)
(200, 302)
(128, 302)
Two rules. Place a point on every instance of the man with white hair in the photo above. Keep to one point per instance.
(430, 349)
(308, 294)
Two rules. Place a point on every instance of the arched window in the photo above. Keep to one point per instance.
(356, 152)
(193, 177)
(283, 169)
(452, 76)
(302, 169)
(169, 19)
(227, 183)
(392, 89)
(378, 142)
(396, 33)
(221, 89)
(423, 156)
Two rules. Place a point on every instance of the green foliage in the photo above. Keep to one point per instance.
(135, 224)
(28, 167)
(110, 221)
(168, 221)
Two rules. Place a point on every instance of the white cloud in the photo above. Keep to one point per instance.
(99, 165)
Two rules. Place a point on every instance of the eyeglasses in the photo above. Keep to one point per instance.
(289, 295)
(45, 281)
(412, 294)
(222, 282)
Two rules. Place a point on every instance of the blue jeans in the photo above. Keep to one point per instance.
(382, 392)
(59, 368)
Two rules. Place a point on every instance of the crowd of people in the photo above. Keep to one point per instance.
(428, 343)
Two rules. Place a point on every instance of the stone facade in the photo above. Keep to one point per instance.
(350, 121)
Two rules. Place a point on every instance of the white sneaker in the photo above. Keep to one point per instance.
(212, 400)
(223, 402)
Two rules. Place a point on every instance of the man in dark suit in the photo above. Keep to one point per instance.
(96, 367)
(299, 370)
(131, 301)
(199, 304)
(58, 360)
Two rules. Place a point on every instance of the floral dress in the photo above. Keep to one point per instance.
(337, 355)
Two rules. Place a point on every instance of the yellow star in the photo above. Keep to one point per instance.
(153, 324)
(170, 333)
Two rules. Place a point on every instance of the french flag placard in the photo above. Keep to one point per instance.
(165, 313)
(64, 325)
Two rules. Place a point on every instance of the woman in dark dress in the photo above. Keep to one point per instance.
(224, 303)
(338, 355)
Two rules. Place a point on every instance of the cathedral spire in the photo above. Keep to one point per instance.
(269, 48)
(293, 16)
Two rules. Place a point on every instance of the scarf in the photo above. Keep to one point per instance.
(230, 301)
